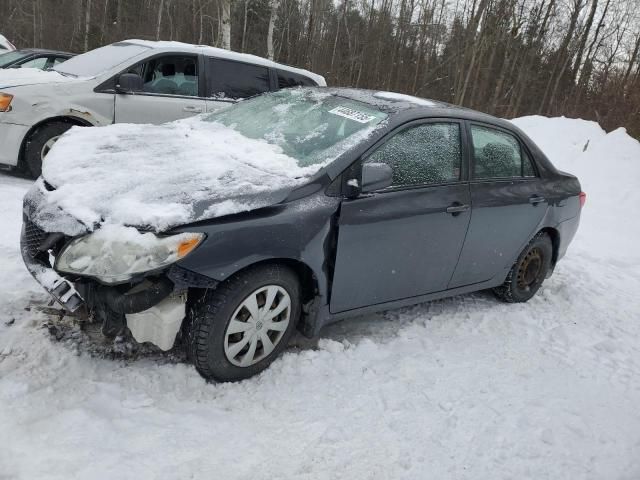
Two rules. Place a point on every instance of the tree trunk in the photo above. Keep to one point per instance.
(159, 21)
(583, 40)
(226, 24)
(275, 4)
(244, 24)
(87, 24)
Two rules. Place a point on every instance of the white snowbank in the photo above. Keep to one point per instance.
(13, 77)
(155, 175)
(608, 166)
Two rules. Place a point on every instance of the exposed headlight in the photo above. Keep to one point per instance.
(5, 102)
(116, 255)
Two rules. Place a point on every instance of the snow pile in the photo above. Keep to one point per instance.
(14, 77)
(162, 175)
(464, 388)
(608, 167)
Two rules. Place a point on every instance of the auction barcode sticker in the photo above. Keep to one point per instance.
(352, 114)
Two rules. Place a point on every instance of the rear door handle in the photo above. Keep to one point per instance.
(457, 208)
(536, 199)
(192, 109)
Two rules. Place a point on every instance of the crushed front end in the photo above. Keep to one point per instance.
(131, 281)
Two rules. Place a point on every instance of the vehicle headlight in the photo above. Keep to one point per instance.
(5, 102)
(116, 256)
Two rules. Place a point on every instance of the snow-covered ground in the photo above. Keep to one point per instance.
(461, 388)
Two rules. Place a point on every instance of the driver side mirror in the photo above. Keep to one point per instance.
(376, 176)
(129, 83)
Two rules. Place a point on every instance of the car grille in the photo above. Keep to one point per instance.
(33, 237)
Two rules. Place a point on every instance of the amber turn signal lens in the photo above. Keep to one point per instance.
(187, 246)
(5, 102)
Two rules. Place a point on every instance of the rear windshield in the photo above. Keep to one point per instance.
(100, 60)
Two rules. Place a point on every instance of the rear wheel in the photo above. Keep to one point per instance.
(39, 143)
(236, 330)
(529, 271)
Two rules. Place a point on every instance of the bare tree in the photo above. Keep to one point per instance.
(225, 6)
(275, 5)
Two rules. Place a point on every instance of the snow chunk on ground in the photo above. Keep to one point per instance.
(161, 175)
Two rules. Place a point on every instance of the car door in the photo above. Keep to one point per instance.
(171, 91)
(508, 204)
(404, 241)
(229, 81)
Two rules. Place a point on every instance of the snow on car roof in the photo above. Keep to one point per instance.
(229, 55)
(401, 97)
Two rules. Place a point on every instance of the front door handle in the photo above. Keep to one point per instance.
(192, 109)
(457, 208)
(536, 199)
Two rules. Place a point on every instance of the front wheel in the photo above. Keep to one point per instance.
(39, 143)
(529, 271)
(236, 330)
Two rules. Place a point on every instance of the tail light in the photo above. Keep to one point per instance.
(583, 199)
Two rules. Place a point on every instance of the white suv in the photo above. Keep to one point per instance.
(133, 81)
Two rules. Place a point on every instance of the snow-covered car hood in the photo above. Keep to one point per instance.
(158, 176)
(18, 77)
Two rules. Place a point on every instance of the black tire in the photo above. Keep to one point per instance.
(210, 315)
(529, 271)
(35, 146)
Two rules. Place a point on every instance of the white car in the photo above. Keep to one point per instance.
(5, 45)
(132, 81)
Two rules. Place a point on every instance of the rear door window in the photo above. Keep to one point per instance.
(227, 79)
(498, 154)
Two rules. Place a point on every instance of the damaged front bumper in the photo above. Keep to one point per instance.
(152, 308)
(36, 258)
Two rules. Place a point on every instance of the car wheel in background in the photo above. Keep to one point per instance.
(39, 143)
(237, 329)
(529, 271)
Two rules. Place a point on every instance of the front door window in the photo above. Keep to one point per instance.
(423, 155)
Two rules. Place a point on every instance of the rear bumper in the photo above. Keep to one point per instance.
(11, 136)
(567, 230)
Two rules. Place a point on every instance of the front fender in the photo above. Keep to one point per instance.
(300, 230)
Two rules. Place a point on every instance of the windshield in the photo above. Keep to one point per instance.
(310, 126)
(100, 60)
(10, 57)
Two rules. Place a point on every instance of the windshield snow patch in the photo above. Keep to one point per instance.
(159, 176)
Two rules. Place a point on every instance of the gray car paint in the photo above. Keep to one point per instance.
(365, 253)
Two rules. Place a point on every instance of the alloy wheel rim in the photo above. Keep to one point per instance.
(48, 146)
(257, 325)
(530, 268)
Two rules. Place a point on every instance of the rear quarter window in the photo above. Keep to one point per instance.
(290, 79)
(236, 80)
